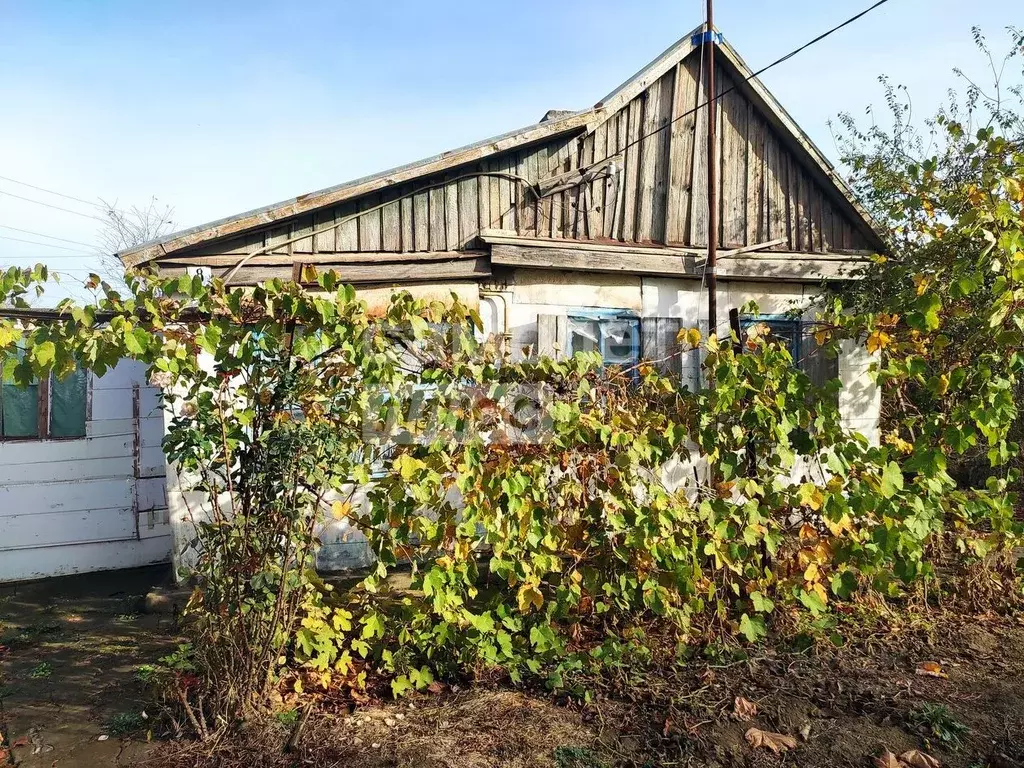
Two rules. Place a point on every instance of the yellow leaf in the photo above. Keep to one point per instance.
(691, 336)
(943, 385)
(529, 595)
(878, 340)
(822, 336)
(812, 573)
(309, 273)
(341, 509)
(921, 283)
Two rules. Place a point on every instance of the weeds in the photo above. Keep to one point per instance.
(939, 722)
(41, 671)
(125, 723)
(576, 757)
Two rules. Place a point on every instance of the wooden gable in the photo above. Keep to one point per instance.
(630, 171)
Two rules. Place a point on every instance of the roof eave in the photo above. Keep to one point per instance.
(297, 206)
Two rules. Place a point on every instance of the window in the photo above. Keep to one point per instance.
(614, 334)
(54, 409)
(798, 336)
(784, 329)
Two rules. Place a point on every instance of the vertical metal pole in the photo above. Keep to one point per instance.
(712, 278)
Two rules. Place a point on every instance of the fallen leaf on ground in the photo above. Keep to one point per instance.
(21, 741)
(805, 732)
(744, 710)
(888, 760)
(915, 758)
(931, 669)
(776, 742)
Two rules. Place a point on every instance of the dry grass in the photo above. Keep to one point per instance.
(474, 729)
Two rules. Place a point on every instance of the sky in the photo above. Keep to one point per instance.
(216, 107)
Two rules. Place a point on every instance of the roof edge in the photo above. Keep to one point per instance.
(296, 206)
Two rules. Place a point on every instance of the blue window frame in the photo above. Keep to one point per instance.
(615, 333)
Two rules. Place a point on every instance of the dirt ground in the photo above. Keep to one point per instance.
(70, 649)
(842, 706)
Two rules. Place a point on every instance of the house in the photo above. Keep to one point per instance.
(587, 230)
(82, 475)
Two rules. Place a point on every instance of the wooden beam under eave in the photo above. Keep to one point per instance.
(592, 260)
(410, 271)
(336, 258)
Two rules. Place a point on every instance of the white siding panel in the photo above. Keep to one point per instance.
(149, 403)
(111, 404)
(61, 560)
(151, 461)
(44, 498)
(151, 493)
(151, 431)
(80, 469)
(54, 528)
(52, 452)
(122, 376)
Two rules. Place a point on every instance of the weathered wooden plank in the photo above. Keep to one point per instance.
(408, 223)
(734, 167)
(483, 202)
(507, 189)
(654, 161)
(391, 226)
(421, 221)
(324, 240)
(300, 227)
(595, 210)
(699, 213)
(554, 222)
(558, 157)
(437, 231)
(793, 208)
(468, 211)
(631, 177)
(388, 273)
(806, 227)
(348, 227)
(378, 257)
(451, 213)
(370, 224)
(826, 226)
(677, 214)
(593, 260)
(494, 190)
(775, 196)
(617, 204)
(757, 218)
(500, 237)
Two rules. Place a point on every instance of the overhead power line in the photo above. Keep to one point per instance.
(756, 74)
(53, 192)
(43, 234)
(50, 205)
(37, 242)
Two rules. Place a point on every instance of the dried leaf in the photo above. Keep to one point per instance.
(776, 742)
(915, 758)
(21, 741)
(930, 669)
(744, 710)
(887, 760)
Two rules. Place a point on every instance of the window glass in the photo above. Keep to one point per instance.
(616, 338)
(584, 335)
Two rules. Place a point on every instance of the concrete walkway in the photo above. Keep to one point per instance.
(70, 649)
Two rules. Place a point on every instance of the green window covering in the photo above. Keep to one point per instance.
(20, 411)
(67, 405)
